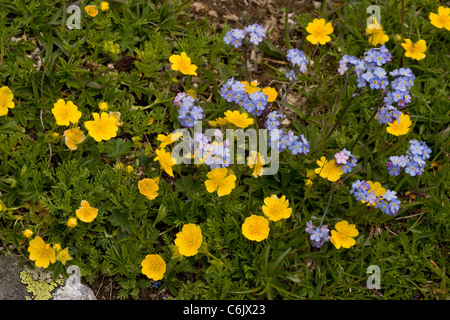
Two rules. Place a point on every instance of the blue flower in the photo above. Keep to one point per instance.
(316, 235)
(426, 151)
(412, 169)
(291, 75)
(394, 170)
(394, 206)
(296, 147)
(298, 62)
(390, 195)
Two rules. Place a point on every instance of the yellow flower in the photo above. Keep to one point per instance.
(150, 121)
(255, 228)
(328, 169)
(169, 139)
(256, 162)
(41, 252)
(165, 161)
(183, 64)
(63, 256)
(343, 235)
(104, 6)
(218, 181)
(271, 93)
(378, 189)
(276, 208)
(319, 31)
(103, 127)
(442, 19)
(415, 50)
(103, 106)
(72, 222)
(376, 34)
(65, 113)
(130, 169)
(91, 10)
(153, 266)
(400, 126)
(72, 137)
(310, 174)
(251, 87)
(240, 120)
(189, 239)
(86, 213)
(308, 182)
(116, 115)
(27, 233)
(149, 188)
(57, 247)
(6, 100)
(218, 122)
(191, 92)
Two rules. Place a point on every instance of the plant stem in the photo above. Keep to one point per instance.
(328, 206)
(368, 122)
(247, 73)
(342, 91)
(363, 129)
(250, 194)
(342, 114)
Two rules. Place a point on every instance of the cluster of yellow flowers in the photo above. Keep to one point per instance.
(43, 253)
(256, 228)
(412, 50)
(92, 10)
(319, 32)
(103, 127)
(187, 243)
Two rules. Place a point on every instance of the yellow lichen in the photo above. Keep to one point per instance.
(39, 284)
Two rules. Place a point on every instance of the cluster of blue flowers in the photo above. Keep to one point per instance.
(281, 138)
(212, 153)
(234, 91)
(388, 114)
(252, 34)
(413, 162)
(369, 72)
(318, 236)
(346, 159)
(288, 140)
(368, 69)
(256, 103)
(388, 203)
(188, 113)
(298, 62)
(400, 86)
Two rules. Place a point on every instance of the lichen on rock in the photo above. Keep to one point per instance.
(39, 283)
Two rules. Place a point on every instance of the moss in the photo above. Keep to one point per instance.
(39, 284)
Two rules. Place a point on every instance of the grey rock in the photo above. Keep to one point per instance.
(74, 289)
(11, 288)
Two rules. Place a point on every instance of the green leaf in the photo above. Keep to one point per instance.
(162, 212)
